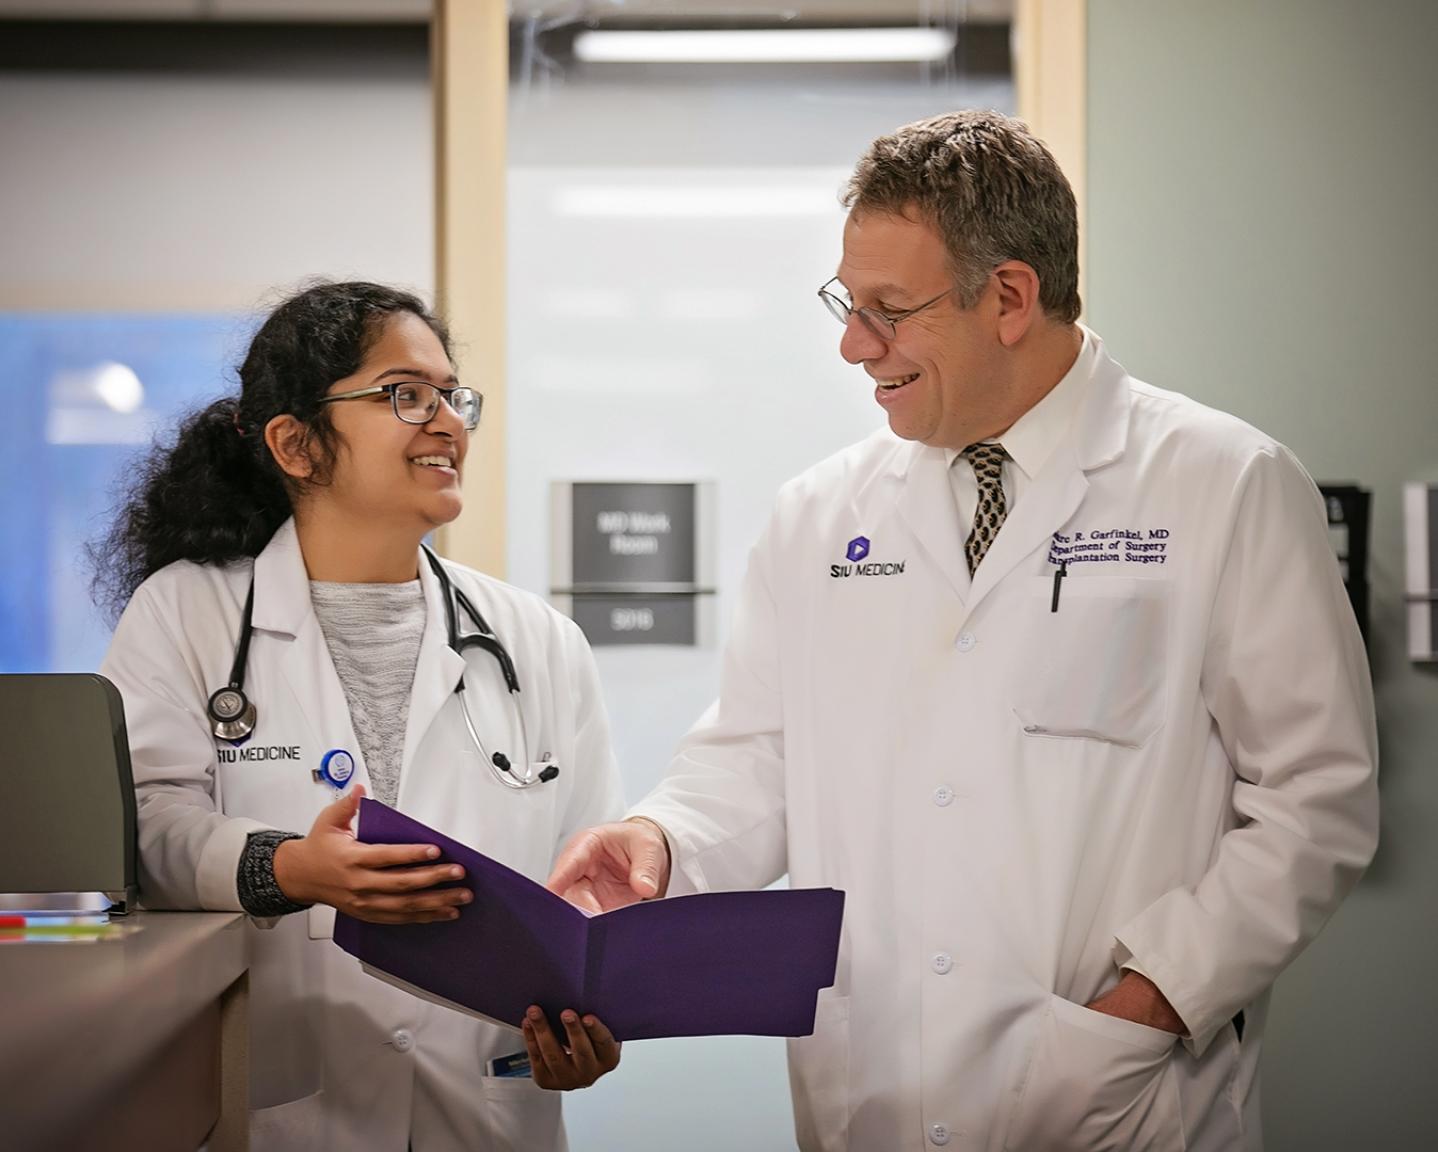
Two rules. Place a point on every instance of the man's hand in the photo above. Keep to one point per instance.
(1137, 998)
(613, 865)
(381, 883)
(590, 1050)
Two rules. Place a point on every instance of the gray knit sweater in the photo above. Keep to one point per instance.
(374, 633)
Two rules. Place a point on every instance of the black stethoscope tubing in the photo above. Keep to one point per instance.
(233, 715)
(485, 638)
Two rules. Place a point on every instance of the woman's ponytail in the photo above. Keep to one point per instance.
(212, 496)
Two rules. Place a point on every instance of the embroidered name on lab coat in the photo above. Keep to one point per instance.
(260, 752)
(1111, 546)
(872, 568)
(856, 552)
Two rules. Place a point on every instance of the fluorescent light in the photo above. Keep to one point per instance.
(678, 203)
(766, 46)
(119, 387)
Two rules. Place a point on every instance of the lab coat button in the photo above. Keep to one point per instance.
(965, 642)
(943, 796)
(938, 1134)
(402, 1041)
(942, 963)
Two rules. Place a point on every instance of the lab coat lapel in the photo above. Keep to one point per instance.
(1099, 435)
(436, 674)
(926, 505)
(283, 606)
(1055, 495)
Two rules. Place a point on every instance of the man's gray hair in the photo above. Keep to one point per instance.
(990, 188)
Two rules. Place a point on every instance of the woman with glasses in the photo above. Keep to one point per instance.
(286, 645)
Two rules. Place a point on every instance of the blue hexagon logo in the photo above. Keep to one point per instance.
(858, 548)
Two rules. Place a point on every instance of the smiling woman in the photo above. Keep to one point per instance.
(404, 440)
(218, 493)
(276, 596)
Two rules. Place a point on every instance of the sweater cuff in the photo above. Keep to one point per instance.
(255, 879)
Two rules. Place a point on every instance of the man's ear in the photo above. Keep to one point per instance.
(288, 439)
(1018, 303)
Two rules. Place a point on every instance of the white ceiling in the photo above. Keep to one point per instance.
(830, 11)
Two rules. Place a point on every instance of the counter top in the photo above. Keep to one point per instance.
(77, 1017)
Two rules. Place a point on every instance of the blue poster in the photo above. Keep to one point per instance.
(86, 396)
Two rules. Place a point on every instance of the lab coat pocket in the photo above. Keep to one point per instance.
(1097, 1083)
(520, 1115)
(1094, 669)
(290, 1127)
(819, 1077)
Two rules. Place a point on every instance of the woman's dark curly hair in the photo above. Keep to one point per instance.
(216, 494)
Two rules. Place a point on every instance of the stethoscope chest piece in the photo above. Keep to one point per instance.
(232, 716)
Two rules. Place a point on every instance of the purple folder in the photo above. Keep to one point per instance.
(705, 965)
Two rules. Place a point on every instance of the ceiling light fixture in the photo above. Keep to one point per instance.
(766, 46)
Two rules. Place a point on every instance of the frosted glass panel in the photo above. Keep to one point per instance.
(669, 225)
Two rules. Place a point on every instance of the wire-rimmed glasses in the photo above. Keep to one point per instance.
(881, 324)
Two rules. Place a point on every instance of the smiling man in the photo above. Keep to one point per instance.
(1090, 746)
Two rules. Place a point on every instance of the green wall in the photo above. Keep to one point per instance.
(1261, 236)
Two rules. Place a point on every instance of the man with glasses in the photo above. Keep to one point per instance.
(1055, 676)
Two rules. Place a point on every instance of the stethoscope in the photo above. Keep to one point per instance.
(233, 715)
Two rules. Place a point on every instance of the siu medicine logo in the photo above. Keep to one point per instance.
(859, 564)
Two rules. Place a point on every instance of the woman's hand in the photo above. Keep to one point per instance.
(381, 883)
(589, 1051)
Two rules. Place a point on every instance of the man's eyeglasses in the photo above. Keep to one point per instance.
(416, 402)
(881, 324)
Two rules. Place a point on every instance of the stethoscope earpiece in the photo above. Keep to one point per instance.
(548, 770)
(456, 601)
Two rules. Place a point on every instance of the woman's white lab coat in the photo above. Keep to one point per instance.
(1174, 769)
(339, 1059)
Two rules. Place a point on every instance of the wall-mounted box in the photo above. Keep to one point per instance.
(1420, 531)
(1349, 513)
(632, 562)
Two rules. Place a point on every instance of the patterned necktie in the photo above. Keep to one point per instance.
(988, 461)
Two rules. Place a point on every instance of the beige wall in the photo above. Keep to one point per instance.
(470, 60)
(194, 193)
(1051, 78)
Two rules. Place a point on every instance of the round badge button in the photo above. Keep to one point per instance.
(336, 768)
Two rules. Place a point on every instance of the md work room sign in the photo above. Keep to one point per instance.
(632, 562)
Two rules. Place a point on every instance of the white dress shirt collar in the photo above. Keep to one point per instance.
(1032, 438)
